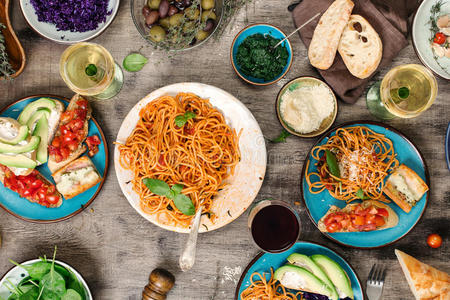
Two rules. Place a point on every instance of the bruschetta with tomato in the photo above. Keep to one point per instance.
(33, 187)
(67, 145)
(366, 216)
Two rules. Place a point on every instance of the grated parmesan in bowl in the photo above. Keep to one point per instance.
(304, 104)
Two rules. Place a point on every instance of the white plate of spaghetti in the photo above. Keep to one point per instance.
(365, 153)
(201, 145)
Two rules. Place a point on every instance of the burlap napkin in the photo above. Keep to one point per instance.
(387, 17)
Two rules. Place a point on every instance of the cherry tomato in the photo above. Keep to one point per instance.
(64, 130)
(383, 212)
(379, 221)
(370, 219)
(56, 142)
(333, 227)
(439, 38)
(69, 136)
(434, 240)
(65, 152)
(82, 104)
(36, 184)
(52, 199)
(358, 220)
(27, 193)
(42, 194)
(329, 219)
(72, 145)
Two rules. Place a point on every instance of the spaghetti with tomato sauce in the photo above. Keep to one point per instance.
(364, 158)
(200, 154)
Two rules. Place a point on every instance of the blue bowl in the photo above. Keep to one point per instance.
(263, 29)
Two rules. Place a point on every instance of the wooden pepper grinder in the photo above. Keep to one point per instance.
(159, 284)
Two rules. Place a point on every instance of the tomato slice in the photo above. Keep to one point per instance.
(82, 103)
(36, 184)
(52, 199)
(383, 212)
(358, 220)
(333, 227)
(379, 221)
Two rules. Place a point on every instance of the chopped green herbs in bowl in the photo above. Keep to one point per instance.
(256, 59)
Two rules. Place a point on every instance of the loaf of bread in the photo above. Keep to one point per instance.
(325, 40)
(360, 47)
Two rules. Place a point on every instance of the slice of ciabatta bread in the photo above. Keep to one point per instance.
(325, 40)
(424, 281)
(52, 164)
(405, 187)
(360, 47)
(76, 183)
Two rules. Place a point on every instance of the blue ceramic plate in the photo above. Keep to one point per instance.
(263, 29)
(318, 204)
(264, 261)
(447, 146)
(33, 212)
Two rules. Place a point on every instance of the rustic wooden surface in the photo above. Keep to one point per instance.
(115, 248)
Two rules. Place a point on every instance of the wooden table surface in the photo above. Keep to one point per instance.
(115, 248)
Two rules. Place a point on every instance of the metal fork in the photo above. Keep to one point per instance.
(375, 282)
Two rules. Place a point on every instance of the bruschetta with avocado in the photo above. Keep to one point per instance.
(366, 216)
(67, 144)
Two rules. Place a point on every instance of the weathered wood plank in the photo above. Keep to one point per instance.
(115, 248)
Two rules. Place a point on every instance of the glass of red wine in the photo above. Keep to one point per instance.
(274, 225)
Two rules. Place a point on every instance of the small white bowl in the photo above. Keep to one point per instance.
(49, 31)
(16, 274)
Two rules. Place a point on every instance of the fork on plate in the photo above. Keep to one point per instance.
(375, 282)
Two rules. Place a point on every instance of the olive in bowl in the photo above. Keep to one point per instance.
(176, 24)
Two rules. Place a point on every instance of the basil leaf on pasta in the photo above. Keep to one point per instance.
(184, 204)
(156, 186)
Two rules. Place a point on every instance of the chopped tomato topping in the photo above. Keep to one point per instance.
(31, 187)
(92, 142)
(70, 133)
(358, 219)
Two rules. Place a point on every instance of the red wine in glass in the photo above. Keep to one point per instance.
(274, 226)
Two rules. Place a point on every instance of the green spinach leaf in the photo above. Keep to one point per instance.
(134, 62)
(332, 164)
(282, 137)
(184, 204)
(71, 295)
(36, 270)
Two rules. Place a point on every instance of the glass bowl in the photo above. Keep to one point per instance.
(139, 22)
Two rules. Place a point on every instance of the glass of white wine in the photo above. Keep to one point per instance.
(90, 70)
(406, 91)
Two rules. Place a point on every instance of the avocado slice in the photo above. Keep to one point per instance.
(41, 130)
(336, 274)
(298, 278)
(30, 146)
(11, 126)
(37, 115)
(306, 262)
(18, 161)
(31, 108)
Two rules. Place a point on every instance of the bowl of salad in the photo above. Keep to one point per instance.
(431, 36)
(43, 279)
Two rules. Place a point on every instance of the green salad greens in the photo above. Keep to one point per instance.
(256, 57)
(46, 280)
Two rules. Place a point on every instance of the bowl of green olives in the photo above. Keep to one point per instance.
(176, 24)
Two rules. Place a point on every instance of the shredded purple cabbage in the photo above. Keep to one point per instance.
(72, 15)
(311, 296)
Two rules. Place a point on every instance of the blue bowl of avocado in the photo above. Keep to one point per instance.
(254, 57)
